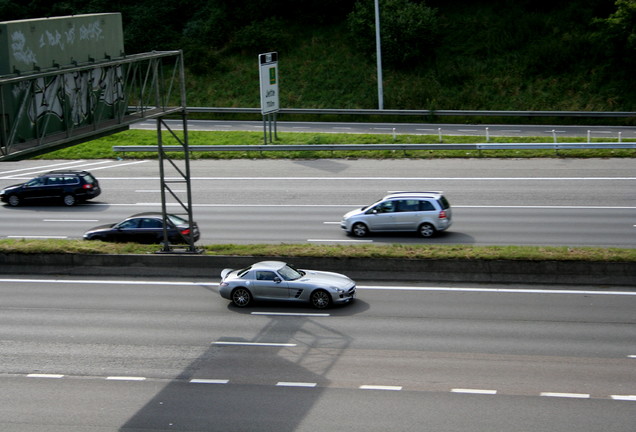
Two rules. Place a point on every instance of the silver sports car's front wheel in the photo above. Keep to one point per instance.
(320, 299)
(241, 297)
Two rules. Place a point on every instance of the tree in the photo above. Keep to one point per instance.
(620, 27)
(409, 30)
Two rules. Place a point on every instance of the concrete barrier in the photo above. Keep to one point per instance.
(360, 269)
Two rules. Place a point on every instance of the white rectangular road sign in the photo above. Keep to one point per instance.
(268, 72)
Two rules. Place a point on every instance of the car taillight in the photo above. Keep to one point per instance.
(442, 214)
(87, 186)
(185, 232)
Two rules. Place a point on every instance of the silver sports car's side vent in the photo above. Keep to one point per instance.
(298, 293)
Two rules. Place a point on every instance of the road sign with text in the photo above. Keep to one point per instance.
(268, 72)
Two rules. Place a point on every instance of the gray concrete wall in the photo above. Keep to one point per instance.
(209, 267)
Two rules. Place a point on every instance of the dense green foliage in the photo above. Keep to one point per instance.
(451, 54)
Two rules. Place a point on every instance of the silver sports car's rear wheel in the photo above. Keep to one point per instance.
(241, 297)
(320, 299)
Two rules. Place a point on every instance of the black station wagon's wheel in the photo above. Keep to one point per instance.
(69, 200)
(14, 201)
(427, 230)
(359, 229)
(320, 299)
(241, 297)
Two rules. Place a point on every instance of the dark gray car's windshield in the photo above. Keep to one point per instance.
(289, 273)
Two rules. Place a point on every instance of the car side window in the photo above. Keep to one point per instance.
(265, 275)
(54, 180)
(70, 180)
(386, 207)
(150, 223)
(426, 206)
(39, 181)
(131, 223)
(408, 205)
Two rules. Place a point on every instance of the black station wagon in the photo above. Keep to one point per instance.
(66, 186)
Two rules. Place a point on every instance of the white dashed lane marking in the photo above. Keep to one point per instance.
(216, 381)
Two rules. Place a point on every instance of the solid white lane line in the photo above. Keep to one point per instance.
(380, 387)
(291, 314)
(295, 384)
(624, 397)
(496, 290)
(70, 220)
(125, 378)
(106, 282)
(473, 391)
(209, 381)
(37, 237)
(339, 240)
(261, 344)
(41, 375)
(341, 179)
(566, 395)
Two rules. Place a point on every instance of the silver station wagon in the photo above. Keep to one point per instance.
(424, 212)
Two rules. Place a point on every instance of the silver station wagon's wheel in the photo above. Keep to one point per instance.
(241, 297)
(359, 230)
(427, 230)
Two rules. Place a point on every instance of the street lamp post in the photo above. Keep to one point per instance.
(378, 55)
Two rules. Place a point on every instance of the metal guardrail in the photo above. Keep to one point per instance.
(370, 147)
(423, 113)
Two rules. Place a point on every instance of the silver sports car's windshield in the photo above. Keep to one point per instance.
(289, 273)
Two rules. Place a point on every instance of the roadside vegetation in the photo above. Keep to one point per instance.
(103, 148)
(394, 251)
(437, 54)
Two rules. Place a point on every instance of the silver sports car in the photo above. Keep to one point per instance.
(276, 280)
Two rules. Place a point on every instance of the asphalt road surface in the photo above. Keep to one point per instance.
(560, 132)
(572, 202)
(138, 354)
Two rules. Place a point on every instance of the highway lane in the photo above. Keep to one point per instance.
(551, 202)
(114, 354)
(447, 130)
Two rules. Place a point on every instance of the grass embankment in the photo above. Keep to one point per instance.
(102, 148)
(395, 251)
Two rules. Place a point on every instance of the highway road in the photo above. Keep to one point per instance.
(573, 202)
(156, 355)
(561, 132)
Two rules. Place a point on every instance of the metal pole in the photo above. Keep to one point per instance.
(264, 128)
(378, 55)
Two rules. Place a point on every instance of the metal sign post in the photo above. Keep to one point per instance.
(268, 74)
